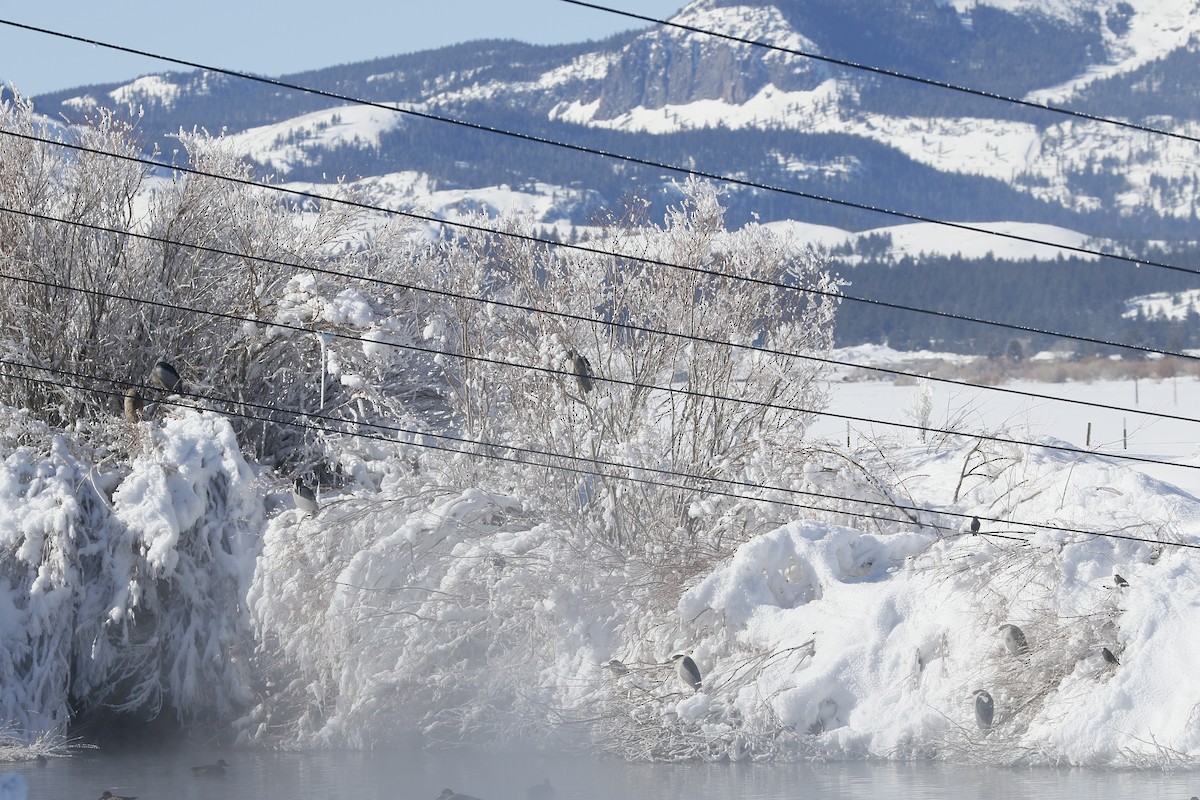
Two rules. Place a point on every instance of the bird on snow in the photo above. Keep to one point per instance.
(583, 370)
(1108, 656)
(133, 405)
(1014, 639)
(449, 794)
(1120, 582)
(974, 524)
(304, 498)
(110, 796)
(217, 769)
(542, 791)
(165, 377)
(985, 709)
(689, 673)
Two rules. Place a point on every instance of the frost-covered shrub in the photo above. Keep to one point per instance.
(199, 290)
(123, 578)
(679, 408)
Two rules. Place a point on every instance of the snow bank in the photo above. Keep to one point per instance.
(467, 618)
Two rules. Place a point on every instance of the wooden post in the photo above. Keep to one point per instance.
(1089, 435)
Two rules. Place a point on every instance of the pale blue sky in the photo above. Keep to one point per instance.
(274, 38)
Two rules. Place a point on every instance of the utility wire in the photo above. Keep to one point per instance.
(391, 284)
(889, 72)
(492, 447)
(578, 148)
(839, 296)
(563, 373)
(418, 435)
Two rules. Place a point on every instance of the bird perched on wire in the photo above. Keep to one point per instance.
(133, 405)
(583, 370)
(985, 709)
(216, 770)
(689, 673)
(449, 794)
(974, 524)
(1014, 639)
(304, 497)
(110, 796)
(165, 377)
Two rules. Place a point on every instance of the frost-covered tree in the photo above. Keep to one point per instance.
(674, 390)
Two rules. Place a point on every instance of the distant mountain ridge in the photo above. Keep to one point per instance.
(684, 98)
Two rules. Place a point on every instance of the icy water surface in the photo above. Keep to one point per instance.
(422, 776)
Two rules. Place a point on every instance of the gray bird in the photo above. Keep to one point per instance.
(1121, 582)
(449, 794)
(1014, 639)
(616, 668)
(304, 498)
(689, 673)
(110, 796)
(165, 377)
(974, 524)
(583, 370)
(985, 709)
(542, 791)
(1108, 656)
(133, 405)
(216, 770)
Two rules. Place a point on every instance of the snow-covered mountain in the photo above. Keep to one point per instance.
(675, 96)
(687, 98)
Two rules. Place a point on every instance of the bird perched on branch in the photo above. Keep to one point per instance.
(985, 709)
(1108, 656)
(616, 668)
(689, 673)
(583, 370)
(165, 377)
(133, 405)
(304, 497)
(211, 770)
(1014, 639)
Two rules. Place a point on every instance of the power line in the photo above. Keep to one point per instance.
(578, 148)
(586, 319)
(607, 379)
(600, 251)
(890, 73)
(574, 470)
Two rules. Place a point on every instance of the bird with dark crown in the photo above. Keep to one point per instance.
(1014, 639)
(583, 370)
(166, 378)
(689, 673)
(985, 709)
(304, 498)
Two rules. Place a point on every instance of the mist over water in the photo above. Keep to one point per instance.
(421, 775)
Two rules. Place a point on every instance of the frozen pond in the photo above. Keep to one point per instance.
(423, 775)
